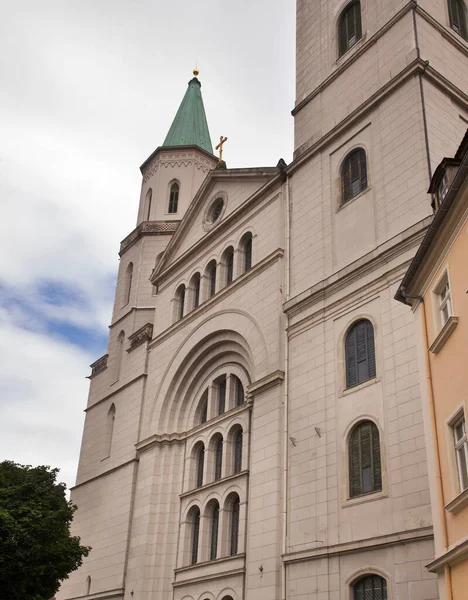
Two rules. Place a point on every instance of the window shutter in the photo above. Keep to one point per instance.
(370, 349)
(351, 359)
(377, 467)
(354, 465)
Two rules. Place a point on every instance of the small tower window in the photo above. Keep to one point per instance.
(349, 27)
(149, 197)
(119, 354)
(128, 283)
(365, 471)
(246, 246)
(174, 198)
(229, 264)
(211, 276)
(370, 587)
(353, 175)
(204, 407)
(180, 302)
(109, 430)
(458, 17)
(196, 290)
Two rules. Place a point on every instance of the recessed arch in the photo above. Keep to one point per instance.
(209, 345)
(173, 203)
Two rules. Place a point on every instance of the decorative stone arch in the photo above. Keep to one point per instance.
(208, 537)
(232, 536)
(361, 572)
(209, 345)
(233, 430)
(187, 533)
(340, 349)
(206, 596)
(345, 458)
(194, 464)
(227, 592)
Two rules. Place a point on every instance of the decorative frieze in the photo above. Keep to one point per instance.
(148, 228)
(144, 334)
(177, 159)
(99, 366)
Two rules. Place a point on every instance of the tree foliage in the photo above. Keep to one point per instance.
(36, 548)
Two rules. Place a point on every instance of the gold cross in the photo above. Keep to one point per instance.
(220, 147)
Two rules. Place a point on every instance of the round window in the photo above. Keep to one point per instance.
(216, 209)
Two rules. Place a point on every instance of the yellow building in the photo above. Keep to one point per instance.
(436, 286)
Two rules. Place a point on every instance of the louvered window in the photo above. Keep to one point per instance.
(360, 353)
(365, 471)
(235, 527)
(218, 459)
(195, 536)
(370, 587)
(173, 198)
(353, 175)
(214, 532)
(349, 28)
(200, 466)
(458, 17)
(238, 441)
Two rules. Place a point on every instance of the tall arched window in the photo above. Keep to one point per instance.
(349, 27)
(180, 302)
(234, 533)
(88, 585)
(119, 354)
(218, 449)
(246, 246)
(238, 441)
(195, 523)
(110, 422)
(458, 17)
(200, 464)
(370, 587)
(360, 353)
(365, 471)
(149, 197)
(173, 198)
(238, 391)
(214, 531)
(211, 276)
(128, 283)
(195, 285)
(221, 384)
(353, 175)
(229, 264)
(204, 407)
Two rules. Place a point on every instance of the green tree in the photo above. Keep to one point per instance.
(36, 549)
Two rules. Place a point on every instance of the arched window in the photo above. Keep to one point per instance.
(149, 197)
(110, 421)
(227, 598)
(238, 391)
(180, 302)
(218, 449)
(88, 585)
(246, 246)
(214, 531)
(173, 198)
(119, 354)
(221, 383)
(204, 407)
(200, 456)
(353, 175)
(195, 285)
(211, 277)
(234, 533)
(349, 27)
(195, 523)
(229, 264)
(360, 353)
(128, 283)
(238, 441)
(458, 17)
(365, 471)
(370, 587)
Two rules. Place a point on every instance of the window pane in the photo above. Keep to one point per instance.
(221, 397)
(463, 467)
(459, 430)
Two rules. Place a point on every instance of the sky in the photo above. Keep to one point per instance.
(89, 90)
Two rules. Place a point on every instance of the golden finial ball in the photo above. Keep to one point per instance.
(195, 72)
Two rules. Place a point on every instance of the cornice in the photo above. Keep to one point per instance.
(265, 383)
(213, 484)
(144, 334)
(222, 293)
(358, 269)
(98, 366)
(148, 228)
(168, 153)
(454, 555)
(373, 543)
(209, 576)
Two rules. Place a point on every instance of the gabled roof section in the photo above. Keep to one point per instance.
(190, 127)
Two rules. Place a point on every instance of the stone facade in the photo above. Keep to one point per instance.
(318, 266)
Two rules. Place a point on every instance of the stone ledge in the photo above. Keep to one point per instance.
(98, 366)
(453, 556)
(148, 228)
(444, 335)
(458, 502)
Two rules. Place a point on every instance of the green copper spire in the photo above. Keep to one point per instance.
(190, 127)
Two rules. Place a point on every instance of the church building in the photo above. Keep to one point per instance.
(255, 430)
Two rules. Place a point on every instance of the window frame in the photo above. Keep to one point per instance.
(342, 20)
(376, 489)
(370, 351)
(442, 301)
(462, 14)
(460, 446)
(362, 579)
(346, 171)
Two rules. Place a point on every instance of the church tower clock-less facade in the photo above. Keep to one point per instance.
(255, 430)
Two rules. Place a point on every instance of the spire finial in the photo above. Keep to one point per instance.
(196, 72)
